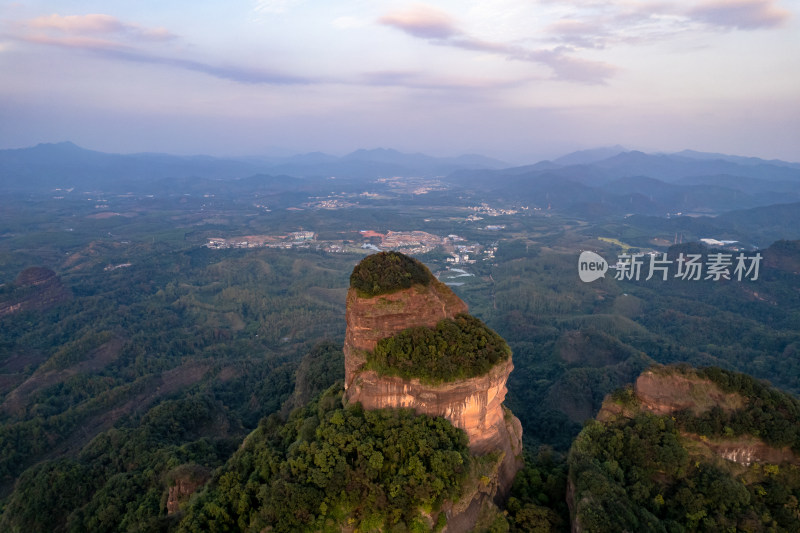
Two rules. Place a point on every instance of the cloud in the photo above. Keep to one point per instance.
(112, 50)
(621, 22)
(108, 37)
(582, 34)
(422, 21)
(438, 28)
(79, 42)
(96, 24)
(226, 72)
(587, 24)
(741, 14)
(575, 69)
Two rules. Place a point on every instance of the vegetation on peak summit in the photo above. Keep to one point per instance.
(457, 348)
(387, 272)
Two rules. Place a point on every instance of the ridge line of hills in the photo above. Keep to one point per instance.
(68, 160)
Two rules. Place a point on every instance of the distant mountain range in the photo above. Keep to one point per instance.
(67, 165)
(602, 182)
(630, 182)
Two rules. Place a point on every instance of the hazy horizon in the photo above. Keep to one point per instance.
(277, 155)
(515, 80)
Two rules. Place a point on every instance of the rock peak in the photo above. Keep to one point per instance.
(408, 296)
(391, 292)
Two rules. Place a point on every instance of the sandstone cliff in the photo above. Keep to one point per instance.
(372, 319)
(474, 404)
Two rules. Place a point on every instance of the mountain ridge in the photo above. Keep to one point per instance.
(66, 164)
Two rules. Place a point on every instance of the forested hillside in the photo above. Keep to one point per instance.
(728, 458)
(573, 343)
(330, 466)
(232, 329)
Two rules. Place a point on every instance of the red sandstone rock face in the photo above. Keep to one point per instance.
(372, 319)
(474, 404)
(180, 493)
(664, 394)
(755, 451)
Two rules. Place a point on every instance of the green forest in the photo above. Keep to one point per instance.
(329, 465)
(166, 366)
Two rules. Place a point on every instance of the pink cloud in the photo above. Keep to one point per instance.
(85, 43)
(422, 21)
(741, 14)
(94, 24)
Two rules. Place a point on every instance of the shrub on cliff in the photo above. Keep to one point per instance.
(459, 348)
(387, 272)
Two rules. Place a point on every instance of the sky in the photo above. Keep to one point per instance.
(520, 80)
